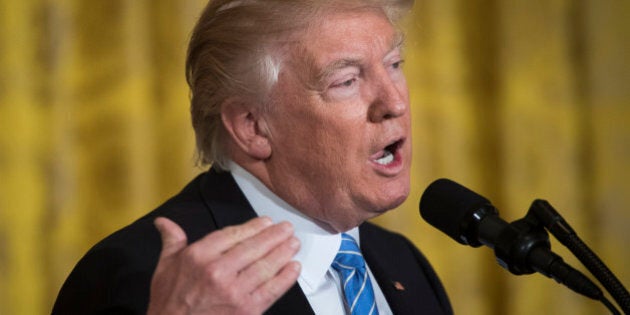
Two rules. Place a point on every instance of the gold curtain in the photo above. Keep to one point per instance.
(515, 99)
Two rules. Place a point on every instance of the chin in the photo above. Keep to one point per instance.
(397, 202)
(370, 209)
(390, 202)
(395, 195)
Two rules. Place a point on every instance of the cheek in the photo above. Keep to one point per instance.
(319, 133)
(304, 144)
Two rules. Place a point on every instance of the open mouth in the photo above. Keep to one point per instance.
(388, 154)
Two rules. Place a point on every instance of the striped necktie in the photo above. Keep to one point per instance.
(357, 288)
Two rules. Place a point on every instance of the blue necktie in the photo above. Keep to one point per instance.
(357, 287)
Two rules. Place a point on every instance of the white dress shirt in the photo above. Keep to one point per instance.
(318, 248)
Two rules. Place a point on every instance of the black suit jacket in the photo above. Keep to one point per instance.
(114, 277)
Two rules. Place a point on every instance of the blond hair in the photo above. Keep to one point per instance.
(234, 52)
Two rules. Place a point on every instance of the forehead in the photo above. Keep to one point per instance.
(360, 36)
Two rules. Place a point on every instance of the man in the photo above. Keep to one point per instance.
(303, 109)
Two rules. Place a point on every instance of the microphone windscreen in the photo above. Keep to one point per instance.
(446, 204)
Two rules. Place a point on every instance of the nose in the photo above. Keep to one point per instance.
(390, 100)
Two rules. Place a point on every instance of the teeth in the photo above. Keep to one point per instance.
(387, 158)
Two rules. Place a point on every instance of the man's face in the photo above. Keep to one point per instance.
(339, 121)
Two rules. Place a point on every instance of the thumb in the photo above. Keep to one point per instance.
(173, 237)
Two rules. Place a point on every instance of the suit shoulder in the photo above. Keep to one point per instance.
(115, 274)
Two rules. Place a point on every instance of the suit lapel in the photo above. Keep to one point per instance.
(393, 288)
(293, 302)
(228, 206)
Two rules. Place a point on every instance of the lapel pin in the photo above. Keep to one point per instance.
(398, 286)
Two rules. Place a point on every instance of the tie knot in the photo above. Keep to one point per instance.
(349, 255)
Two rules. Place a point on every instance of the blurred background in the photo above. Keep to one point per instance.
(514, 99)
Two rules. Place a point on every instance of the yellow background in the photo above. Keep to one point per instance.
(515, 99)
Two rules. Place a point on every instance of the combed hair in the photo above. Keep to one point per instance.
(235, 51)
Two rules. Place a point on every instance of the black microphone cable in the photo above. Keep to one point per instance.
(565, 234)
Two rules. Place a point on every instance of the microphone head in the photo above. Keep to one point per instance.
(450, 207)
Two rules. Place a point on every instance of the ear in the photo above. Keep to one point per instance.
(247, 128)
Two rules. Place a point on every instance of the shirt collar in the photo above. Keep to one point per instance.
(318, 246)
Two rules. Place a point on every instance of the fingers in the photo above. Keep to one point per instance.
(260, 251)
(268, 267)
(173, 237)
(272, 290)
(254, 248)
(222, 240)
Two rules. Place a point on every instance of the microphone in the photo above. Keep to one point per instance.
(521, 247)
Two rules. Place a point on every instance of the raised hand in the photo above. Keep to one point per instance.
(240, 269)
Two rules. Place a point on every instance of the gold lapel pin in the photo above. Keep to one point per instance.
(399, 286)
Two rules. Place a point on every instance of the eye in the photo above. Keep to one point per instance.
(345, 87)
(398, 64)
(345, 84)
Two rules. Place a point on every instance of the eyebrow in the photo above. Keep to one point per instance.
(330, 68)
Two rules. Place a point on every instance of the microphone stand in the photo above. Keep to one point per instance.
(543, 213)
